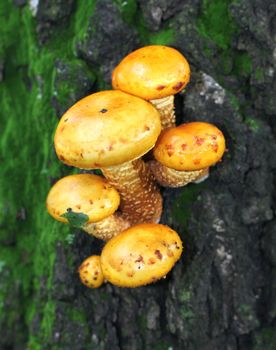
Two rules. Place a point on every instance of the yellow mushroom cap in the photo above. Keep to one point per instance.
(140, 255)
(190, 146)
(90, 272)
(83, 193)
(152, 72)
(106, 129)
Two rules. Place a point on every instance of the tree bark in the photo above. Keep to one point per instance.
(221, 294)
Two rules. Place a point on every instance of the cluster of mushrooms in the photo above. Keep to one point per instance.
(112, 131)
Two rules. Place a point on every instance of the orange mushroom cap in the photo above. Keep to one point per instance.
(152, 72)
(106, 129)
(82, 193)
(90, 272)
(190, 146)
(140, 255)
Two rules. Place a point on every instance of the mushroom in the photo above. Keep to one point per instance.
(89, 202)
(154, 73)
(140, 255)
(186, 152)
(90, 272)
(111, 130)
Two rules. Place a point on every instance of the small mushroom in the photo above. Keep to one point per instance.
(90, 272)
(88, 200)
(140, 255)
(185, 153)
(114, 141)
(154, 73)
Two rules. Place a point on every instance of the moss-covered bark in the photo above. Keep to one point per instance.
(222, 293)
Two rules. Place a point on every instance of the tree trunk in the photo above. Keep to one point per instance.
(221, 295)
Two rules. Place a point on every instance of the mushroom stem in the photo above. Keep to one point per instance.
(165, 107)
(141, 200)
(107, 228)
(204, 176)
(169, 177)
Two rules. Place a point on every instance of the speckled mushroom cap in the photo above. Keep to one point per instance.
(106, 129)
(83, 193)
(152, 72)
(90, 272)
(140, 255)
(190, 146)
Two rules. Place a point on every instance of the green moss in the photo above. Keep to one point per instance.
(252, 123)
(235, 102)
(140, 26)
(48, 320)
(163, 37)
(247, 313)
(22, 193)
(104, 296)
(187, 314)
(183, 204)
(76, 315)
(242, 64)
(81, 19)
(101, 84)
(66, 85)
(33, 344)
(266, 339)
(30, 163)
(215, 22)
(142, 322)
(207, 50)
(69, 238)
(226, 61)
(259, 74)
(10, 19)
(185, 296)
(128, 9)
(186, 310)
(216, 25)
